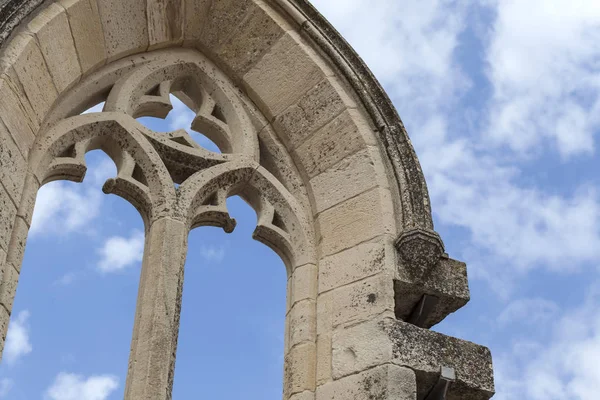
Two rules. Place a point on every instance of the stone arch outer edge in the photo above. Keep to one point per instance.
(415, 203)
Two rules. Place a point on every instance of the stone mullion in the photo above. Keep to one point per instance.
(156, 327)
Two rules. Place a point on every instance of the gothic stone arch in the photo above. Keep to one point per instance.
(309, 139)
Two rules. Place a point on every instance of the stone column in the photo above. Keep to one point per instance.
(155, 332)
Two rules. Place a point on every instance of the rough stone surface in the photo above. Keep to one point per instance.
(419, 349)
(425, 351)
(16, 112)
(125, 27)
(282, 75)
(354, 221)
(448, 282)
(343, 136)
(8, 212)
(350, 177)
(86, 28)
(8, 286)
(53, 32)
(165, 22)
(35, 78)
(384, 382)
(12, 165)
(255, 35)
(354, 264)
(314, 109)
(299, 369)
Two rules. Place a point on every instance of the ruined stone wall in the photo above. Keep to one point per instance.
(310, 140)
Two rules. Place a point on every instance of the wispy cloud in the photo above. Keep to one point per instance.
(528, 311)
(17, 343)
(543, 65)
(5, 386)
(474, 184)
(69, 386)
(565, 368)
(66, 207)
(66, 279)
(119, 252)
(212, 254)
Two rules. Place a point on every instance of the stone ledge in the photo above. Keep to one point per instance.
(375, 343)
(447, 282)
(425, 351)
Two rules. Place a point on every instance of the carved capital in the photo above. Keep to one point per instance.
(420, 251)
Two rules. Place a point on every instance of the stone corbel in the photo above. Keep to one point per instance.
(429, 285)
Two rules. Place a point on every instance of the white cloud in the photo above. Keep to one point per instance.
(66, 279)
(181, 117)
(5, 386)
(65, 207)
(61, 208)
(77, 387)
(528, 311)
(119, 252)
(17, 340)
(212, 254)
(543, 65)
(411, 47)
(566, 368)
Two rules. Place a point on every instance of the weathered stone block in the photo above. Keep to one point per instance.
(282, 75)
(125, 27)
(30, 68)
(359, 347)
(377, 342)
(223, 19)
(447, 282)
(51, 27)
(343, 136)
(325, 313)
(304, 283)
(275, 158)
(421, 251)
(302, 320)
(300, 369)
(84, 19)
(12, 165)
(16, 113)
(324, 358)
(356, 220)
(317, 107)
(17, 243)
(255, 35)
(360, 301)
(388, 382)
(4, 319)
(8, 211)
(425, 351)
(352, 176)
(165, 23)
(8, 286)
(303, 396)
(354, 264)
(30, 190)
(194, 19)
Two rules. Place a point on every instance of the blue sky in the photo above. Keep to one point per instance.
(501, 99)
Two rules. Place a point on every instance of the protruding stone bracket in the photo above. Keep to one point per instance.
(415, 301)
(421, 250)
(439, 391)
(423, 310)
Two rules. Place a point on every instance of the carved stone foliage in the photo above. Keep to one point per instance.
(169, 174)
